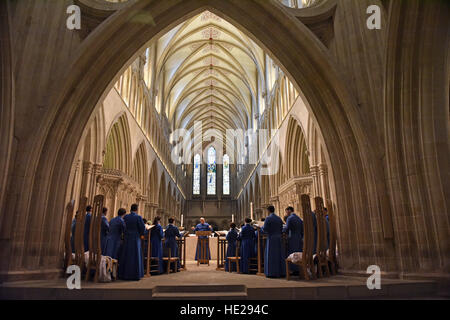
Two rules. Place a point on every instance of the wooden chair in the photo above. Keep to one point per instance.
(95, 247)
(261, 242)
(68, 234)
(182, 251)
(221, 251)
(306, 264)
(332, 256)
(253, 265)
(322, 242)
(169, 259)
(79, 234)
(236, 259)
(151, 263)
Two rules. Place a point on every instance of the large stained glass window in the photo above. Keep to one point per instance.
(196, 186)
(226, 175)
(211, 176)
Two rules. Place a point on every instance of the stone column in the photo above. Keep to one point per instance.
(325, 190)
(96, 172)
(86, 180)
(316, 185)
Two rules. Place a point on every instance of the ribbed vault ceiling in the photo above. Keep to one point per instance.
(210, 73)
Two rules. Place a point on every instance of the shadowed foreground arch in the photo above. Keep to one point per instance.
(360, 199)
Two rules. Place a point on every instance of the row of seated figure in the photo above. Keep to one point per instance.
(275, 249)
(124, 238)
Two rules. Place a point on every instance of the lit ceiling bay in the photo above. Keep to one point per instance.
(211, 73)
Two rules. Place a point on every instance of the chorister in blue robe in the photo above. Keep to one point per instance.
(104, 230)
(294, 230)
(274, 264)
(131, 263)
(247, 251)
(315, 231)
(72, 236)
(156, 236)
(202, 227)
(87, 228)
(171, 234)
(114, 239)
(232, 237)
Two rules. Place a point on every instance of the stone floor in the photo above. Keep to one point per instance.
(220, 285)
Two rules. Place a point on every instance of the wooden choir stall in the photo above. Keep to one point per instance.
(91, 262)
(203, 247)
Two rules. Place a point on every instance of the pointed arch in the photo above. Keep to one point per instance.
(140, 167)
(118, 147)
(296, 151)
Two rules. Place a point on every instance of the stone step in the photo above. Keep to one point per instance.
(200, 296)
(199, 288)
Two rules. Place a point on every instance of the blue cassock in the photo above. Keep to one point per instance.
(114, 239)
(131, 263)
(156, 236)
(87, 228)
(294, 230)
(247, 237)
(202, 227)
(232, 237)
(170, 242)
(72, 237)
(274, 265)
(104, 230)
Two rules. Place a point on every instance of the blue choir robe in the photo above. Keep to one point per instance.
(315, 231)
(104, 230)
(87, 228)
(171, 234)
(114, 239)
(274, 264)
(131, 262)
(232, 237)
(261, 244)
(247, 251)
(294, 230)
(72, 237)
(156, 236)
(328, 232)
(202, 227)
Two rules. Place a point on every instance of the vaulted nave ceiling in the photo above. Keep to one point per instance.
(208, 70)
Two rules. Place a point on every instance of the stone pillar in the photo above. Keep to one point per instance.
(316, 185)
(86, 180)
(276, 203)
(325, 190)
(96, 172)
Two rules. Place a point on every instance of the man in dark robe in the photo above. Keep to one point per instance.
(232, 237)
(171, 234)
(104, 230)
(247, 238)
(72, 228)
(202, 226)
(274, 264)
(116, 231)
(294, 230)
(87, 227)
(131, 262)
(156, 236)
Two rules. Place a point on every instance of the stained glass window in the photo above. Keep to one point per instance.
(211, 176)
(226, 175)
(196, 186)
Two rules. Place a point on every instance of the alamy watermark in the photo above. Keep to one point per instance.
(374, 281)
